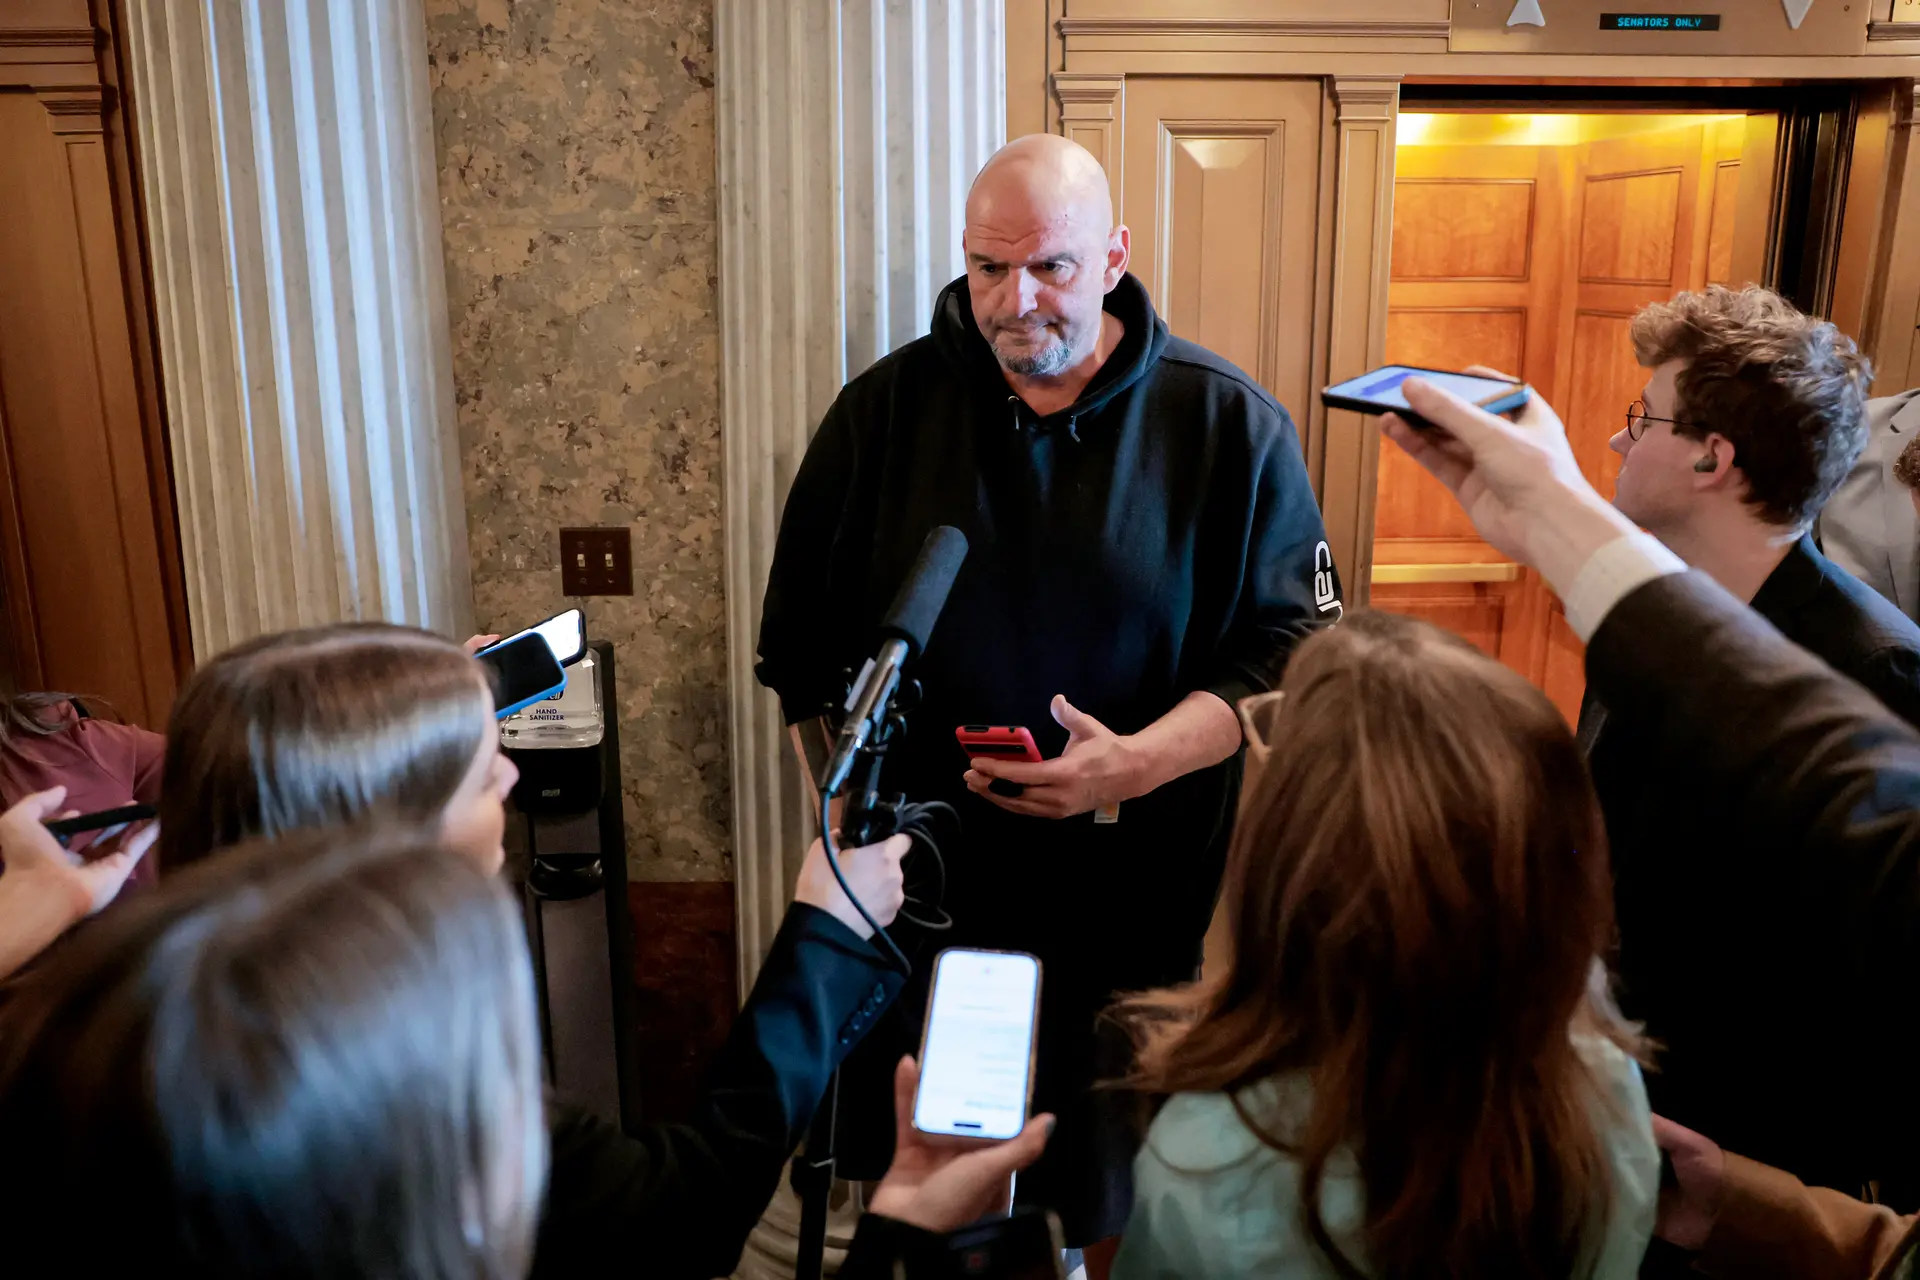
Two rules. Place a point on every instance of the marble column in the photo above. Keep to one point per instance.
(849, 131)
(286, 148)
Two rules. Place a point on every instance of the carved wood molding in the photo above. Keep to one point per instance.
(49, 37)
(1093, 109)
(1365, 107)
(79, 108)
(1293, 27)
(1088, 95)
(1363, 98)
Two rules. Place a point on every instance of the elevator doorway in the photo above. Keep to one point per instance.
(1527, 241)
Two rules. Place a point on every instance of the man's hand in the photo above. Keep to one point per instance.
(80, 887)
(1517, 481)
(1098, 768)
(1689, 1208)
(943, 1184)
(475, 644)
(873, 873)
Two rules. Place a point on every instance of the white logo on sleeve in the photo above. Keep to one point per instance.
(1326, 596)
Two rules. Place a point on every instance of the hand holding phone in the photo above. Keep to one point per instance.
(29, 848)
(938, 1184)
(999, 742)
(1382, 391)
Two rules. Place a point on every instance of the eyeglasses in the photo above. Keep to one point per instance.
(1638, 418)
(1257, 715)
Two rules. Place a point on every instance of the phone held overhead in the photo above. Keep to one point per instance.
(528, 665)
(1383, 390)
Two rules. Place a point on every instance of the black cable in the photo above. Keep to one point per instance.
(892, 948)
(914, 821)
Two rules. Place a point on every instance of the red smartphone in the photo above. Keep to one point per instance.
(1000, 742)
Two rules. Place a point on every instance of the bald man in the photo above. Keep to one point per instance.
(1145, 551)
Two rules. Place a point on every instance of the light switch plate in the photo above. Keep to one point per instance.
(596, 562)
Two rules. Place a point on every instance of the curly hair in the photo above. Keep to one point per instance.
(1788, 390)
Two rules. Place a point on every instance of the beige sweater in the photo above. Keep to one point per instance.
(1771, 1224)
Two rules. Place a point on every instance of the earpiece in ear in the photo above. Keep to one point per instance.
(1708, 463)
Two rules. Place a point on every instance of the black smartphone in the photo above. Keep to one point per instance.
(108, 821)
(1382, 391)
(522, 670)
(565, 633)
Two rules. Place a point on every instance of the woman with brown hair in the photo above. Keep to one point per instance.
(316, 1056)
(1410, 1064)
(330, 725)
(368, 723)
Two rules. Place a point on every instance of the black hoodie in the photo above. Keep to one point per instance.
(1157, 537)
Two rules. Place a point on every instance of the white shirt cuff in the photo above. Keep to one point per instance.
(1610, 574)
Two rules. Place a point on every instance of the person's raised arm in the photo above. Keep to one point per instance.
(1804, 773)
(679, 1200)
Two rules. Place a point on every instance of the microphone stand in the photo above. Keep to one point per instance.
(866, 820)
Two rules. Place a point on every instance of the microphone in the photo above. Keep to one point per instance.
(908, 623)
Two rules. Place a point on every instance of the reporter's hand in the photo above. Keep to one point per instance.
(1517, 481)
(873, 873)
(80, 886)
(1689, 1209)
(475, 644)
(1099, 767)
(942, 1184)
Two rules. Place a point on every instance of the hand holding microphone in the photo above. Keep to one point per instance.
(873, 874)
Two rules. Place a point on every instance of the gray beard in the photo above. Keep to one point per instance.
(1046, 362)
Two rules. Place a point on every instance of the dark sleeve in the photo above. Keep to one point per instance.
(800, 659)
(1893, 676)
(1785, 755)
(678, 1200)
(880, 1245)
(1288, 585)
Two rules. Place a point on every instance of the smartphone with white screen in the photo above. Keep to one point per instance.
(976, 1052)
(565, 633)
(1382, 390)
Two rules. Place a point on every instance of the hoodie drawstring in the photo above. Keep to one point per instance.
(1015, 404)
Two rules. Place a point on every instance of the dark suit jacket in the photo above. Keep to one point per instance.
(679, 1200)
(1765, 823)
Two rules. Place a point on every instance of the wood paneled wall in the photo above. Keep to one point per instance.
(89, 556)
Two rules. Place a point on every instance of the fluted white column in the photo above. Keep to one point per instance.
(287, 153)
(849, 131)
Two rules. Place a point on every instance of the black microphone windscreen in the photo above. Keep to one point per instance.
(924, 593)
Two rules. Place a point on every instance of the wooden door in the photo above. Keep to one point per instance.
(1537, 259)
(1219, 183)
(1657, 214)
(1477, 277)
(89, 559)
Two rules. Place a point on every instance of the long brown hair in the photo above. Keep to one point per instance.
(317, 727)
(1418, 892)
(311, 1057)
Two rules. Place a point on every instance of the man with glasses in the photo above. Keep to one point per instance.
(1752, 415)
